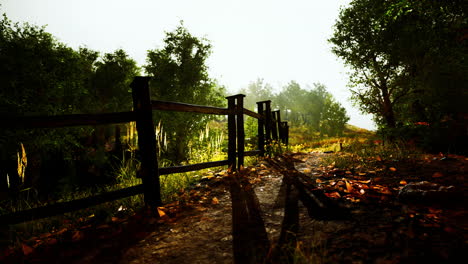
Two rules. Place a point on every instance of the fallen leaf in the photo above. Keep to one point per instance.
(27, 249)
(403, 182)
(306, 170)
(349, 188)
(378, 158)
(215, 201)
(78, 235)
(49, 234)
(318, 180)
(437, 175)
(368, 181)
(161, 212)
(435, 210)
(385, 190)
(392, 169)
(333, 195)
(51, 241)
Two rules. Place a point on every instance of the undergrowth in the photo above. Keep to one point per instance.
(204, 149)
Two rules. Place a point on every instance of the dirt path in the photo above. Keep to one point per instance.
(291, 210)
(205, 235)
(252, 215)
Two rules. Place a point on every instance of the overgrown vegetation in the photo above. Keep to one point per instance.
(313, 108)
(408, 62)
(409, 70)
(41, 76)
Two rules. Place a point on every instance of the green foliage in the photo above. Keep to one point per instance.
(180, 74)
(211, 143)
(111, 82)
(41, 76)
(408, 61)
(315, 108)
(257, 91)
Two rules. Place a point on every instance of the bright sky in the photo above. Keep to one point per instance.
(278, 41)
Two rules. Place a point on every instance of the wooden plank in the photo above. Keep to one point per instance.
(232, 133)
(252, 152)
(252, 114)
(192, 167)
(66, 207)
(146, 141)
(274, 124)
(240, 130)
(261, 129)
(183, 107)
(267, 113)
(66, 120)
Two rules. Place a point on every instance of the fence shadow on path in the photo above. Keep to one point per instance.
(250, 238)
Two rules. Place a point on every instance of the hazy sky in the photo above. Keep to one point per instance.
(278, 41)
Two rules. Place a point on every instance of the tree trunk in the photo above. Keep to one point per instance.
(388, 113)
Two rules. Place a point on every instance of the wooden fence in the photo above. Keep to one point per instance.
(270, 128)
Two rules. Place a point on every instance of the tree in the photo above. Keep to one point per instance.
(293, 100)
(111, 81)
(333, 118)
(360, 40)
(111, 89)
(256, 91)
(314, 108)
(180, 74)
(408, 58)
(40, 76)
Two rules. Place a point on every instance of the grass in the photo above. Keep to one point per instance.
(356, 148)
(125, 176)
(171, 184)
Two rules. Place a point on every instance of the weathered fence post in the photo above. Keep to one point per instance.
(232, 132)
(274, 124)
(261, 131)
(285, 132)
(240, 129)
(268, 124)
(146, 141)
(278, 125)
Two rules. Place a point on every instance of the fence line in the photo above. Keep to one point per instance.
(67, 120)
(270, 127)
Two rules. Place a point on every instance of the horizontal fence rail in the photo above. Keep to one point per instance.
(67, 120)
(67, 207)
(252, 114)
(192, 167)
(269, 127)
(183, 107)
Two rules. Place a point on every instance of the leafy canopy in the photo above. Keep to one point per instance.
(180, 74)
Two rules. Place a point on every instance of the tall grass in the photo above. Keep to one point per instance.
(210, 145)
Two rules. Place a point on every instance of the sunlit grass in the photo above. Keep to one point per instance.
(209, 146)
